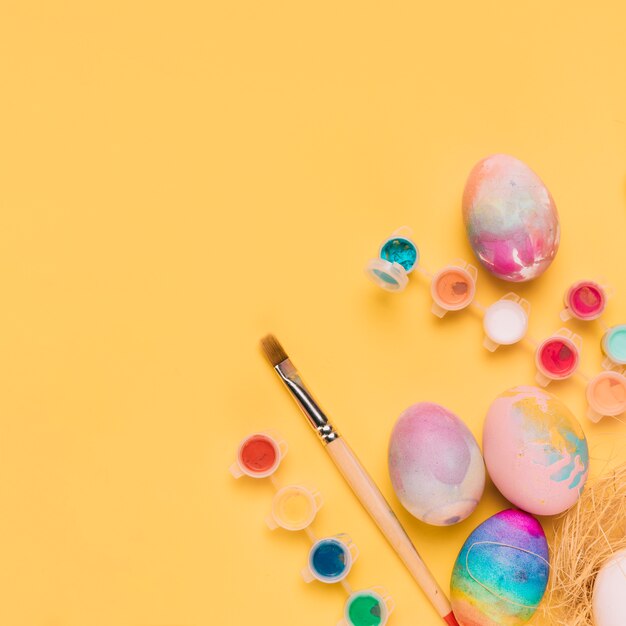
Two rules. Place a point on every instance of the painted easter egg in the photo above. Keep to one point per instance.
(609, 592)
(510, 217)
(501, 572)
(435, 464)
(535, 450)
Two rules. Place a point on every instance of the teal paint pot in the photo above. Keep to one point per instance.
(614, 344)
(397, 258)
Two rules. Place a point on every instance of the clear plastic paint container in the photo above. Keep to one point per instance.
(330, 559)
(453, 287)
(557, 357)
(259, 455)
(585, 300)
(614, 344)
(294, 507)
(397, 258)
(606, 395)
(505, 321)
(368, 607)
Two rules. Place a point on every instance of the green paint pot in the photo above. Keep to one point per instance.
(368, 608)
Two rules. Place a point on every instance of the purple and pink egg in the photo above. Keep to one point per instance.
(435, 465)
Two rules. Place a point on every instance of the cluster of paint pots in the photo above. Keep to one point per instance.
(452, 288)
(294, 508)
(505, 322)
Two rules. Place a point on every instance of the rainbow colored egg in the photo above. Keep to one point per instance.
(435, 465)
(501, 573)
(510, 218)
(535, 450)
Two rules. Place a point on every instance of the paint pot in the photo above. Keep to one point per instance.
(397, 258)
(557, 357)
(453, 287)
(505, 321)
(606, 395)
(614, 344)
(330, 559)
(259, 455)
(367, 607)
(584, 300)
(294, 507)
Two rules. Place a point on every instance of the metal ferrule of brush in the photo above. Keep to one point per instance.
(315, 415)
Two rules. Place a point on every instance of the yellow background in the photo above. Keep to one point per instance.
(179, 178)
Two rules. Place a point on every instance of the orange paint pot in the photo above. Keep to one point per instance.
(453, 288)
(606, 395)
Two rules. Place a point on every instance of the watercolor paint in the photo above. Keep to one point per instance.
(557, 358)
(259, 455)
(614, 344)
(366, 608)
(401, 251)
(506, 321)
(330, 559)
(606, 395)
(397, 257)
(585, 300)
(453, 288)
(294, 507)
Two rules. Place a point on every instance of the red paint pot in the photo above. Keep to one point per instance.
(557, 357)
(258, 456)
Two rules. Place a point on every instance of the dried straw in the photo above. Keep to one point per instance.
(584, 538)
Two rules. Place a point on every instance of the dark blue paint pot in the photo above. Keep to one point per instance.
(330, 559)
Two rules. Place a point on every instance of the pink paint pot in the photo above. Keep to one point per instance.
(259, 455)
(558, 357)
(453, 287)
(584, 300)
(606, 395)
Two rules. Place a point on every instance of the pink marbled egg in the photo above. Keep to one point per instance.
(535, 450)
(435, 465)
(510, 218)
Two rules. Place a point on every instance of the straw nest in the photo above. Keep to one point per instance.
(584, 538)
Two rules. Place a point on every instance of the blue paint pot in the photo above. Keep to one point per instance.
(331, 559)
(397, 257)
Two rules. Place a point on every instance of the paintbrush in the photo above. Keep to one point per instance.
(359, 480)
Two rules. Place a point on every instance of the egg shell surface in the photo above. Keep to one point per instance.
(435, 465)
(501, 573)
(535, 450)
(609, 592)
(510, 218)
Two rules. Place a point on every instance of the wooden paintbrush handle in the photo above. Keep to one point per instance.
(376, 505)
